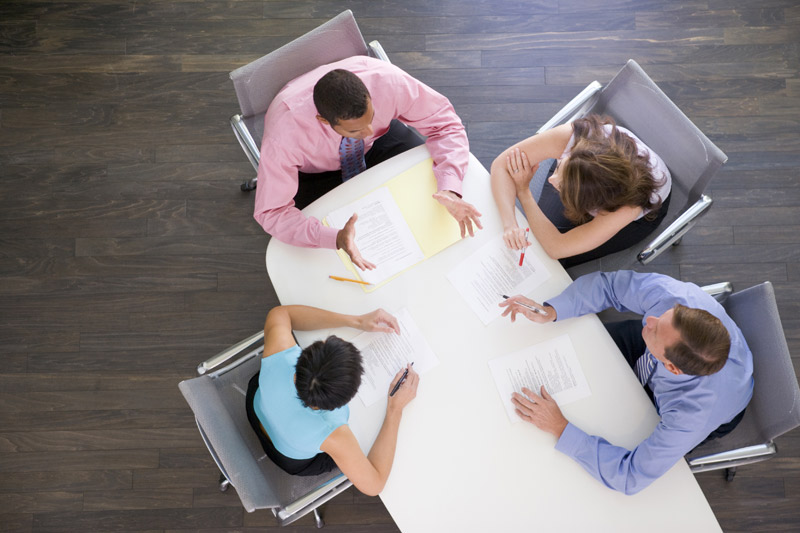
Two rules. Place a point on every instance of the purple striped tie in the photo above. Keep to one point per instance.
(351, 154)
(645, 366)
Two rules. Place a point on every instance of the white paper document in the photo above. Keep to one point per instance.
(553, 364)
(382, 235)
(492, 271)
(387, 353)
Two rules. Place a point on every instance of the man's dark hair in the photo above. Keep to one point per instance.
(340, 95)
(328, 373)
(704, 345)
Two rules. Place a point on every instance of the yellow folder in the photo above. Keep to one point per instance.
(432, 226)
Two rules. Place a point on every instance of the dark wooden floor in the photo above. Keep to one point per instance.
(128, 254)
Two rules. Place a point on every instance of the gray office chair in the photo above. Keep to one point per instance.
(636, 102)
(257, 83)
(218, 402)
(775, 406)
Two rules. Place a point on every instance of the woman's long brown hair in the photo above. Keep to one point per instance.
(605, 172)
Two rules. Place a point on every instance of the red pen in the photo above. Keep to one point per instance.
(522, 255)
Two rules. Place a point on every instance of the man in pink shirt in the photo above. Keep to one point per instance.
(304, 147)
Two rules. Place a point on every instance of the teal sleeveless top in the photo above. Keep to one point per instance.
(296, 431)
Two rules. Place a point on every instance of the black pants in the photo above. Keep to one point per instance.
(627, 336)
(319, 464)
(396, 140)
(551, 205)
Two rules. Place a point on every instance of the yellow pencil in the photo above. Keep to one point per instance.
(337, 278)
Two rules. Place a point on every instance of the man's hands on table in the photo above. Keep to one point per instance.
(346, 240)
(514, 310)
(464, 212)
(541, 411)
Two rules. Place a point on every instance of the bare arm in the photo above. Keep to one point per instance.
(283, 319)
(369, 473)
(580, 239)
(546, 145)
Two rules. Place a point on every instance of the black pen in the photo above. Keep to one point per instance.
(400, 382)
(526, 306)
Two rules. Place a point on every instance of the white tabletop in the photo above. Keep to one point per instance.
(460, 464)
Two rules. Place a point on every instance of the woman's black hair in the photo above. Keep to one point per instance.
(328, 373)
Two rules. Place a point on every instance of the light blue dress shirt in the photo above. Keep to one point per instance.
(690, 407)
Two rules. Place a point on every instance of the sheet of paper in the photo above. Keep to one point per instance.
(553, 364)
(382, 235)
(386, 353)
(492, 271)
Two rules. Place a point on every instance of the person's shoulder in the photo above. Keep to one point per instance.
(372, 70)
(290, 354)
(340, 440)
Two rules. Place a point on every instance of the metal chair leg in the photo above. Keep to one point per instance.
(318, 521)
(223, 483)
(249, 185)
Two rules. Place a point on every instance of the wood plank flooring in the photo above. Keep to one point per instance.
(128, 253)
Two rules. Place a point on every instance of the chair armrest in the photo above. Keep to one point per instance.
(720, 291)
(230, 353)
(245, 140)
(376, 50)
(575, 108)
(733, 458)
(675, 231)
(313, 499)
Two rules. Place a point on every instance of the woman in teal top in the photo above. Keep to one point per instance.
(297, 403)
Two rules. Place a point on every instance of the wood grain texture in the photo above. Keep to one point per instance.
(128, 254)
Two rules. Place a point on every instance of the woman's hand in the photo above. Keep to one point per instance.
(520, 169)
(407, 390)
(379, 320)
(515, 237)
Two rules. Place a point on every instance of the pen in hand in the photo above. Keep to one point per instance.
(526, 306)
(400, 381)
(522, 255)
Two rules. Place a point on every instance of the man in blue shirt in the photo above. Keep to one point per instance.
(688, 354)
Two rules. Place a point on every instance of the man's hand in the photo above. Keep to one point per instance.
(379, 320)
(346, 240)
(511, 307)
(541, 411)
(464, 212)
(520, 169)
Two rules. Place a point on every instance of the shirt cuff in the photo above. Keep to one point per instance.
(559, 303)
(571, 440)
(449, 182)
(327, 237)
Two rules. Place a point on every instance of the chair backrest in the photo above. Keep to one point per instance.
(637, 103)
(218, 403)
(775, 406)
(257, 83)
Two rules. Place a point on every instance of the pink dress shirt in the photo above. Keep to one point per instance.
(294, 140)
